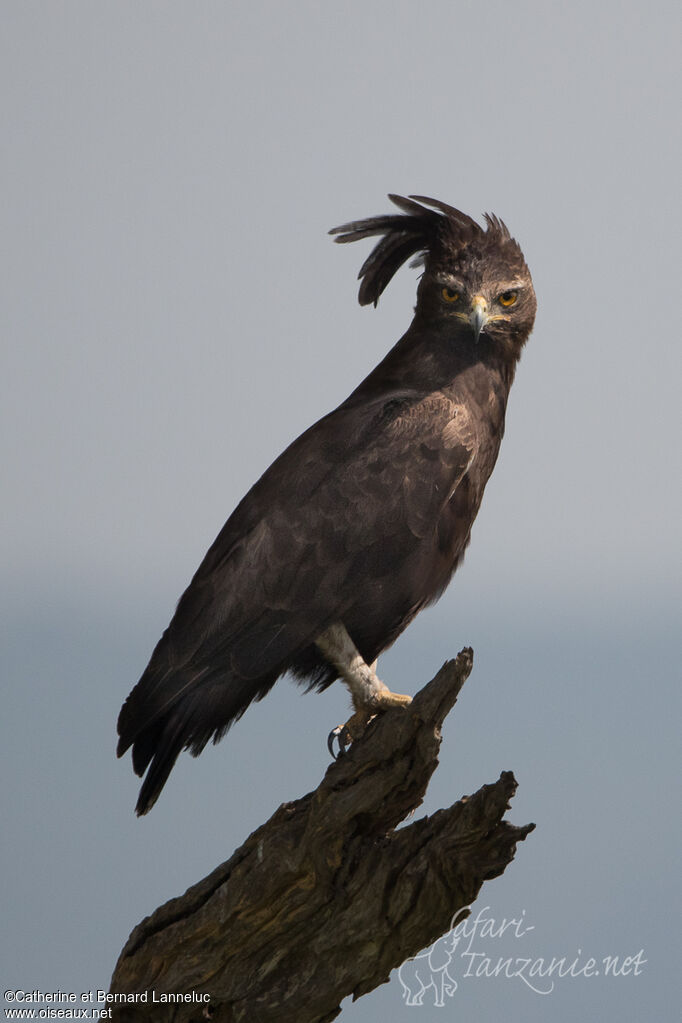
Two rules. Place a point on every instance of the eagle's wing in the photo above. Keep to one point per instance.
(334, 514)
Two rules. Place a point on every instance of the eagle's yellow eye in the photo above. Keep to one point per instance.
(508, 298)
(449, 295)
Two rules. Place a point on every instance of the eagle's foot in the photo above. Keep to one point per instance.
(385, 699)
(356, 725)
(368, 692)
(348, 733)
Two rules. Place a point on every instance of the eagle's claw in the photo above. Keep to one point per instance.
(353, 729)
(342, 735)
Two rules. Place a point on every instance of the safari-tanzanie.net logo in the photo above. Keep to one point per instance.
(482, 947)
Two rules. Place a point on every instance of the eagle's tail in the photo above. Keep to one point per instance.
(157, 748)
(160, 720)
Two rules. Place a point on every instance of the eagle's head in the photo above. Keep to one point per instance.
(475, 281)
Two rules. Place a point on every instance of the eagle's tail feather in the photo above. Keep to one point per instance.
(188, 722)
(169, 744)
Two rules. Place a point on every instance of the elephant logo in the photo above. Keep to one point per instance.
(429, 969)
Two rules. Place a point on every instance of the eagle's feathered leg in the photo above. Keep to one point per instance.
(368, 692)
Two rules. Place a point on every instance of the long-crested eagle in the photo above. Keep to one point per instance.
(361, 522)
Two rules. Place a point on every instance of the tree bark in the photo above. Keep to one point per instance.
(329, 895)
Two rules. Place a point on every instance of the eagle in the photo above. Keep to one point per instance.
(361, 522)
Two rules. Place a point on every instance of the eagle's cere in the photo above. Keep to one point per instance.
(361, 522)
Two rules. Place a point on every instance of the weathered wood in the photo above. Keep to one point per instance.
(327, 897)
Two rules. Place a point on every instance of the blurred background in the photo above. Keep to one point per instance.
(173, 314)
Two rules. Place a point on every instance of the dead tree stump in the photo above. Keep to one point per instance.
(327, 897)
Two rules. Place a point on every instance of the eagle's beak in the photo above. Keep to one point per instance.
(478, 316)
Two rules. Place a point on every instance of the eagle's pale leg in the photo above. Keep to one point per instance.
(368, 691)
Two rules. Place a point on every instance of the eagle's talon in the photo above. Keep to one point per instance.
(334, 734)
(347, 734)
(344, 738)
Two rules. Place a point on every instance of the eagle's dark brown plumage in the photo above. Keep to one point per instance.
(361, 522)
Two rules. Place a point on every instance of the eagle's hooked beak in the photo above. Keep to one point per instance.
(478, 317)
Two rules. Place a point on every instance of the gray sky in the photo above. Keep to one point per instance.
(173, 314)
